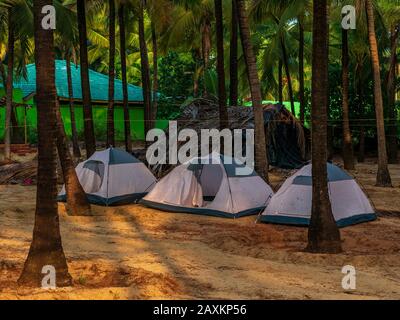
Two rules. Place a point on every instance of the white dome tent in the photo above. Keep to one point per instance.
(210, 186)
(113, 177)
(292, 203)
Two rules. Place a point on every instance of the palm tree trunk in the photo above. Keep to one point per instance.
(280, 81)
(90, 141)
(392, 138)
(206, 47)
(14, 128)
(301, 70)
(3, 75)
(77, 202)
(16, 135)
(348, 156)
(9, 87)
(261, 155)
(155, 71)
(197, 57)
(289, 78)
(46, 247)
(144, 60)
(223, 112)
(234, 82)
(331, 127)
(122, 39)
(323, 233)
(111, 76)
(361, 137)
(383, 178)
(75, 143)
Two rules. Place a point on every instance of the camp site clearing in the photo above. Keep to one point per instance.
(135, 252)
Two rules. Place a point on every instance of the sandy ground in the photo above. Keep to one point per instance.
(132, 252)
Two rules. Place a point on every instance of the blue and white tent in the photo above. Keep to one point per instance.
(112, 177)
(292, 203)
(213, 185)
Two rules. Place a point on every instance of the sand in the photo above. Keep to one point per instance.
(133, 252)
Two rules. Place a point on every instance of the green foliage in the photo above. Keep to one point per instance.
(362, 112)
(176, 72)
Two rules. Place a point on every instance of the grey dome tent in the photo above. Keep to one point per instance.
(113, 177)
(292, 203)
(210, 186)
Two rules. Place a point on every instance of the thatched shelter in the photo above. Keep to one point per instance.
(286, 137)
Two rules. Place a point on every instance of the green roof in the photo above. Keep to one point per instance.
(98, 84)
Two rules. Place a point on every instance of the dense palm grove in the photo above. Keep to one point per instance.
(235, 51)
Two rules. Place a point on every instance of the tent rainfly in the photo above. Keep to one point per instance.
(113, 177)
(212, 186)
(292, 203)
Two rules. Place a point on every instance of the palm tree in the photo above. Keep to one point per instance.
(261, 159)
(389, 14)
(75, 143)
(383, 178)
(122, 49)
(111, 75)
(148, 124)
(90, 141)
(159, 12)
(206, 46)
(362, 75)
(9, 86)
(279, 16)
(323, 233)
(77, 202)
(288, 76)
(155, 70)
(280, 81)
(233, 86)
(46, 247)
(348, 156)
(66, 43)
(219, 22)
(301, 68)
(191, 29)
(391, 92)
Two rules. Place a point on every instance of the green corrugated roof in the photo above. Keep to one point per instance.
(98, 84)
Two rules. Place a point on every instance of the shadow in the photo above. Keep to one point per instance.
(187, 284)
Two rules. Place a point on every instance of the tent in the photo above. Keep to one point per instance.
(112, 177)
(292, 203)
(211, 185)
